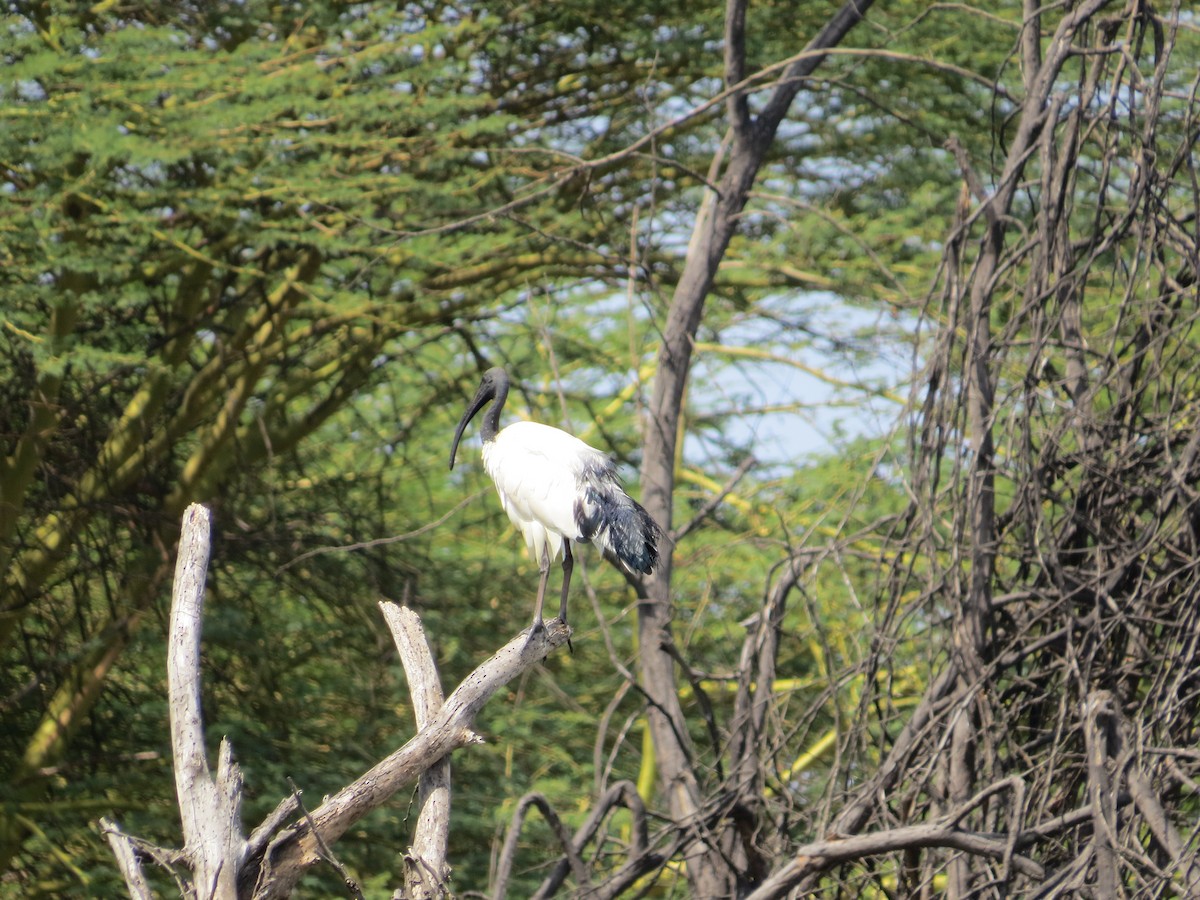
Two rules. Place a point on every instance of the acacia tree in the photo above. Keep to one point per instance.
(227, 223)
(220, 227)
(733, 172)
(310, 252)
(180, 305)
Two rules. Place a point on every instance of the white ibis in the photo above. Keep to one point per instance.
(558, 491)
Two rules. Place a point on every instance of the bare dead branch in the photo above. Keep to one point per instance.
(128, 860)
(425, 866)
(210, 806)
(708, 872)
(819, 855)
(294, 851)
(641, 859)
(269, 827)
(323, 850)
(509, 853)
(168, 859)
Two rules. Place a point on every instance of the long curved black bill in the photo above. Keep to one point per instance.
(481, 399)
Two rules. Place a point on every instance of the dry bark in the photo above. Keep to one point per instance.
(217, 861)
(716, 222)
(426, 871)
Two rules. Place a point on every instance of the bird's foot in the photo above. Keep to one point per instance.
(536, 629)
(563, 619)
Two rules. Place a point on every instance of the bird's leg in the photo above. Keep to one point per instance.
(544, 568)
(568, 564)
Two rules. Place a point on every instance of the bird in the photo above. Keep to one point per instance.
(558, 491)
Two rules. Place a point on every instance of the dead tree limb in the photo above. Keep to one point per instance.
(820, 855)
(225, 865)
(210, 807)
(425, 869)
(716, 222)
(295, 850)
(623, 793)
(508, 854)
(128, 860)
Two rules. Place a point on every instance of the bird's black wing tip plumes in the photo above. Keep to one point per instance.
(634, 537)
(628, 534)
(653, 535)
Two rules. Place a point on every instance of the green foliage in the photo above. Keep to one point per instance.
(252, 255)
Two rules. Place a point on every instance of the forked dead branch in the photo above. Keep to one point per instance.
(217, 860)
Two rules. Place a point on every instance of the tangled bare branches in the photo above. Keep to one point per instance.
(1055, 514)
(1049, 560)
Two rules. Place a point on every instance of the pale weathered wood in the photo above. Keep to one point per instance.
(425, 870)
(210, 808)
(221, 860)
(295, 850)
(127, 860)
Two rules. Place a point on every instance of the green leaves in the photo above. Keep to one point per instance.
(253, 256)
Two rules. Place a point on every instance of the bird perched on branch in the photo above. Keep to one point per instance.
(558, 491)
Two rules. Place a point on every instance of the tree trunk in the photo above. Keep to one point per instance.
(708, 871)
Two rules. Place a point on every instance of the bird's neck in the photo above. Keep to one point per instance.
(491, 416)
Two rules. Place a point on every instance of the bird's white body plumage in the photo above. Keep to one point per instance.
(537, 470)
(558, 491)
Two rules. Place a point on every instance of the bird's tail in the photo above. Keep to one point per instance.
(626, 531)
